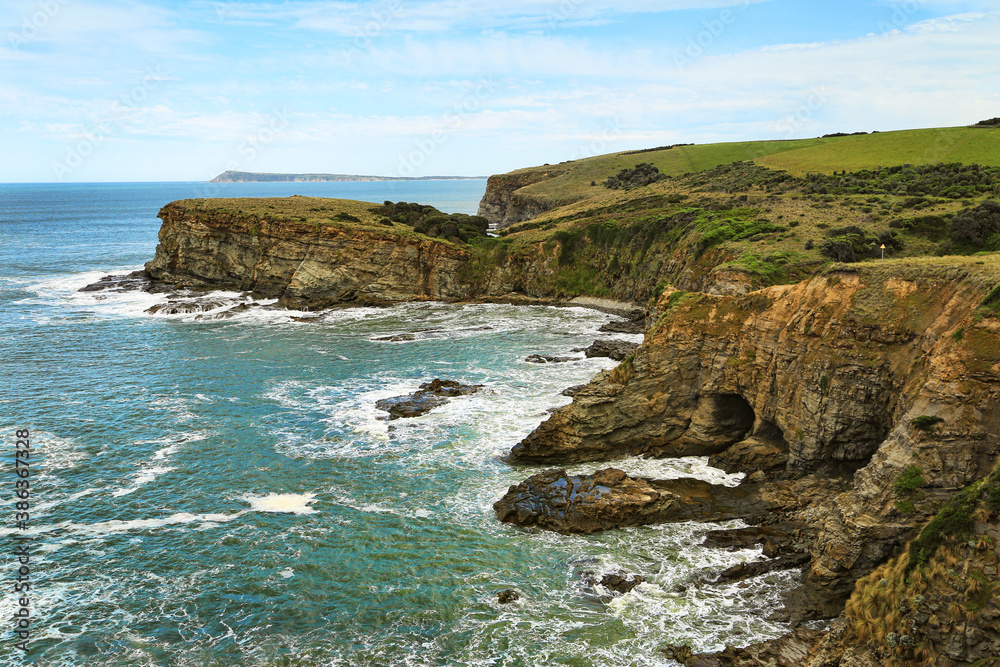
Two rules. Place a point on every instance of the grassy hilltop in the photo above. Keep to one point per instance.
(739, 216)
(721, 218)
(968, 145)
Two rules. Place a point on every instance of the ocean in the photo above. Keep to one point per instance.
(204, 490)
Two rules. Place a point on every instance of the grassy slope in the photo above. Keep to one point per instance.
(968, 145)
(928, 146)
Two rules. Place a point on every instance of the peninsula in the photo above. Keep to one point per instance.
(254, 177)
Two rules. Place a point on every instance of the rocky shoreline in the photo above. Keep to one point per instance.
(819, 392)
(859, 404)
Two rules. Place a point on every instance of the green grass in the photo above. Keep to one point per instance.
(948, 144)
(571, 181)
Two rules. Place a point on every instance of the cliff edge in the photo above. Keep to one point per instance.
(884, 376)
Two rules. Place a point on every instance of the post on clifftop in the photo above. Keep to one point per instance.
(883, 252)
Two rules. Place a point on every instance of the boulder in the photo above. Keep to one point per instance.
(556, 500)
(613, 349)
(429, 396)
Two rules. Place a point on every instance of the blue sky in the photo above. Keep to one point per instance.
(148, 90)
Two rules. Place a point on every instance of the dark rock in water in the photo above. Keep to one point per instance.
(137, 281)
(398, 338)
(507, 596)
(742, 571)
(413, 405)
(613, 349)
(429, 396)
(232, 312)
(636, 326)
(621, 582)
(556, 500)
(547, 359)
(791, 650)
(186, 307)
(573, 391)
(440, 387)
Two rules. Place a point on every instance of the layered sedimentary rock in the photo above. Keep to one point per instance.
(823, 379)
(503, 205)
(303, 264)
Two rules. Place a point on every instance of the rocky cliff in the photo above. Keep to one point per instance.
(302, 263)
(863, 374)
(504, 204)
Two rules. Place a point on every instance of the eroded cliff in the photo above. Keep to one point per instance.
(504, 203)
(303, 263)
(834, 377)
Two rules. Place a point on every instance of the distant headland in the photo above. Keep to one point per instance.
(253, 177)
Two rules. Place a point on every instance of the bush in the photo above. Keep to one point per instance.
(432, 222)
(975, 225)
(642, 174)
(909, 481)
(926, 422)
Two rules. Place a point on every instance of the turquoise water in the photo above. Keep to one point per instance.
(211, 491)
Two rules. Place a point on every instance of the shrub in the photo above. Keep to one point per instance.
(642, 174)
(926, 422)
(909, 481)
(432, 222)
(974, 225)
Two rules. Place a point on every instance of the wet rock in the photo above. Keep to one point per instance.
(429, 396)
(791, 650)
(507, 596)
(137, 281)
(547, 359)
(636, 326)
(556, 500)
(572, 391)
(398, 338)
(613, 349)
(621, 582)
(189, 306)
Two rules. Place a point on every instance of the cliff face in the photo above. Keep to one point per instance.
(504, 206)
(825, 377)
(302, 264)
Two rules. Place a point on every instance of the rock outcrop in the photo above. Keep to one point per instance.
(823, 380)
(429, 396)
(504, 205)
(303, 264)
(609, 498)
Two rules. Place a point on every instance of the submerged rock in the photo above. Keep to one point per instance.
(547, 359)
(188, 306)
(137, 281)
(620, 582)
(429, 396)
(507, 596)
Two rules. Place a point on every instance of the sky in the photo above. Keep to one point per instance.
(149, 90)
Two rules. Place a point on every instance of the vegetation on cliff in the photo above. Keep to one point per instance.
(456, 227)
